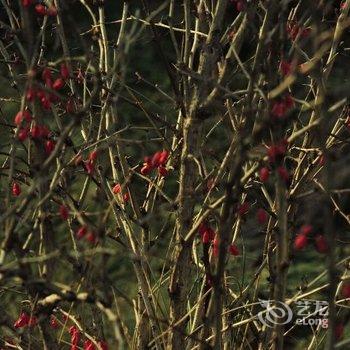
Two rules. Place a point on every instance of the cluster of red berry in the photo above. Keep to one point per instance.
(52, 85)
(261, 214)
(23, 118)
(301, 240)
(40, 8)
(294, 31)
(117, 189)
(281, 107)
(240, 4)
(89, 164)
(158, 160)
(88, 343)
(89, 235)
(63, 212)
(38, 132)
(208, 235)
(275, 154)
(25, 320)
(286, 67)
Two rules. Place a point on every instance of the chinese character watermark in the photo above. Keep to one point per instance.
(308, 313)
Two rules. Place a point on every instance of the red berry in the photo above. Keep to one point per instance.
(205, 237)
(278, 109)
(20, 116)
(16, 189)
(33, 321)
(210, 184)
(117, 189)
(70, 106)
(126, 197)
(147, 160)
(202, 228)
(243, 209)
(90, 167)
(27, 3)
(103, 345)
(47, 74)
(288, 101)
(240, 6)
(81, 232)
(163, 157)
(233, 250)
(207, 233)
(305, 32)
(321, 244)
(282, 146)
(285, 67)
(339, 331)
(209, 280)
(89, 345)
(321, 160)
(146, 169)
(35, 132)
(30, 95)
(305, 230)
(272, 153)
(54, 98)
(283, 173)
(156, 159)
(92, 156)
(80, 76)
(91, 237)
(262, 216)
(40, 94)
(44, 131)
(277, 151)
(162, 171)
(345, 290)
(64, 71)
(58, 84)
(64, 213)
(264, 174)
(22, 320)
(49, 146)
(300, 242)
(23, 134)
(45, 102)
(292, 30)
(40, 10)
(216, 247)
(52, 11)
(53, 322)
(48, 83)
(27, 116)
(73, 330)
(75, 335)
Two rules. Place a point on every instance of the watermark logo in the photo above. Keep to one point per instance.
(274, 313)
(308, 313)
